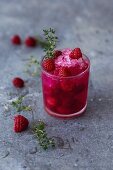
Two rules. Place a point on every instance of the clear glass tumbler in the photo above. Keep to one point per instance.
(65, 97)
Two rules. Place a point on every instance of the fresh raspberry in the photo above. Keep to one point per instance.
(56, 71)
(63, 110)
(67, 102)
(64, 72)
(76, 53)
(66, 85)
(18, 82)
(16, 40)
(48, 64)
(57, 53)
(80, 88)
(20, 123)
(75, 70)
(30, 41)
(51, 101)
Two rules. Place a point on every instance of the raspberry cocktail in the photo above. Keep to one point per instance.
(65, 83)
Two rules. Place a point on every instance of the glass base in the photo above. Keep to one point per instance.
(77, 114)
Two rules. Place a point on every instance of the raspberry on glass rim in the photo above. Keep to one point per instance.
(57, 53)
(76, 53)
(65, 82)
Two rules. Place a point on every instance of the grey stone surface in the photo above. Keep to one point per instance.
(87, 141)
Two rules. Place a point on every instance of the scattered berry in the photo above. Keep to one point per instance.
(76, 53)
(57, 53)
(20, 123)
(16, 40)
(18, 82)
(64, 72)
(48, 64)
(30, 41)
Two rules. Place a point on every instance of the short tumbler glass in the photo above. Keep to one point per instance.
(65, 97)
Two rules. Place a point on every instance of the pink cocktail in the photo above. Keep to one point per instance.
(66, 96)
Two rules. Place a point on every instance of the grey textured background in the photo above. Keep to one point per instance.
(88, 141)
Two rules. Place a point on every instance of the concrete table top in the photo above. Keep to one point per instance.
(87, 141)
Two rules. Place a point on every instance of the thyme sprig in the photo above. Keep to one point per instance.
(18, 105)
(51, 40)
(40, 132)
(43, 43)
(33, 66)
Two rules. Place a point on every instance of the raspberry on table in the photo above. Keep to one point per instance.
(16, 40)
(18, 82)
(30, 41)
(20, 123)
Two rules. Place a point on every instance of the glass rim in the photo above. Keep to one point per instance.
(67, 77)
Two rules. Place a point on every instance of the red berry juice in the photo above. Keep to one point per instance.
(66, 97)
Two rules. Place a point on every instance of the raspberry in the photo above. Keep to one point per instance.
(79, 89)
(67, 102)
(20, 123)
(48, 64)
(64, 72)
(66, 85)
(51, 101)
(76, 54)
(56, 71)
(75, 70)
(30, 41)
(16, 40)
(63, 110)
(18, 82)
(57, 53)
